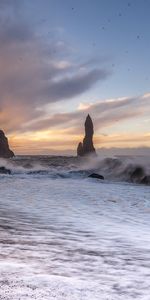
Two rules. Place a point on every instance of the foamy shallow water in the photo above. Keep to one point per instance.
(73, 239)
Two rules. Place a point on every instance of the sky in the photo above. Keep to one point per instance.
(63, 59)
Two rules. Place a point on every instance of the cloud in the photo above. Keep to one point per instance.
(83, 106)
(105, 113)
(52, 142)
(64, 130)
(15, 33)
(36, 71)
(71, 86)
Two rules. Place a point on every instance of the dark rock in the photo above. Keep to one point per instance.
(137, 174)
(87, 147)
(5, 152)
(80, 149)
(95, 175)
(146, 180)
(3, 170)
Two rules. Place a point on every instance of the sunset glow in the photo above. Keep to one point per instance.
(52, 75)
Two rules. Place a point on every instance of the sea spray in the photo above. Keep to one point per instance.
(118, 168)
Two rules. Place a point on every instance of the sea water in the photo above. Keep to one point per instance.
(64, 235)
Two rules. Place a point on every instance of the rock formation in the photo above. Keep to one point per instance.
(5, 152)
(4, 170)
(137, 174)
(97, 176)
(146, 180)
(80, 149)
(87, 147)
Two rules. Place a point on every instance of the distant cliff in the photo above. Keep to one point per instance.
(87, 147)
(5, 152)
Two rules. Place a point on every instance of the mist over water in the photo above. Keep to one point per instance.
(66, 236)
(117, 168)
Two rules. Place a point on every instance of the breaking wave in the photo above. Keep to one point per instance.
(120, 168)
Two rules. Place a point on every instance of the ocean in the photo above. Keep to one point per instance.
(66, 236)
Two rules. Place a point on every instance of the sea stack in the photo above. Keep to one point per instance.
(5, 152)
(87, 148)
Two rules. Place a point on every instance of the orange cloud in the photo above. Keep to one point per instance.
(55, 141)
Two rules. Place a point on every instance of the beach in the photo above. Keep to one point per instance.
(66, 236)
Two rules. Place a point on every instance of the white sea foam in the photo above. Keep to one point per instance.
(72, 237)
(116, 168)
